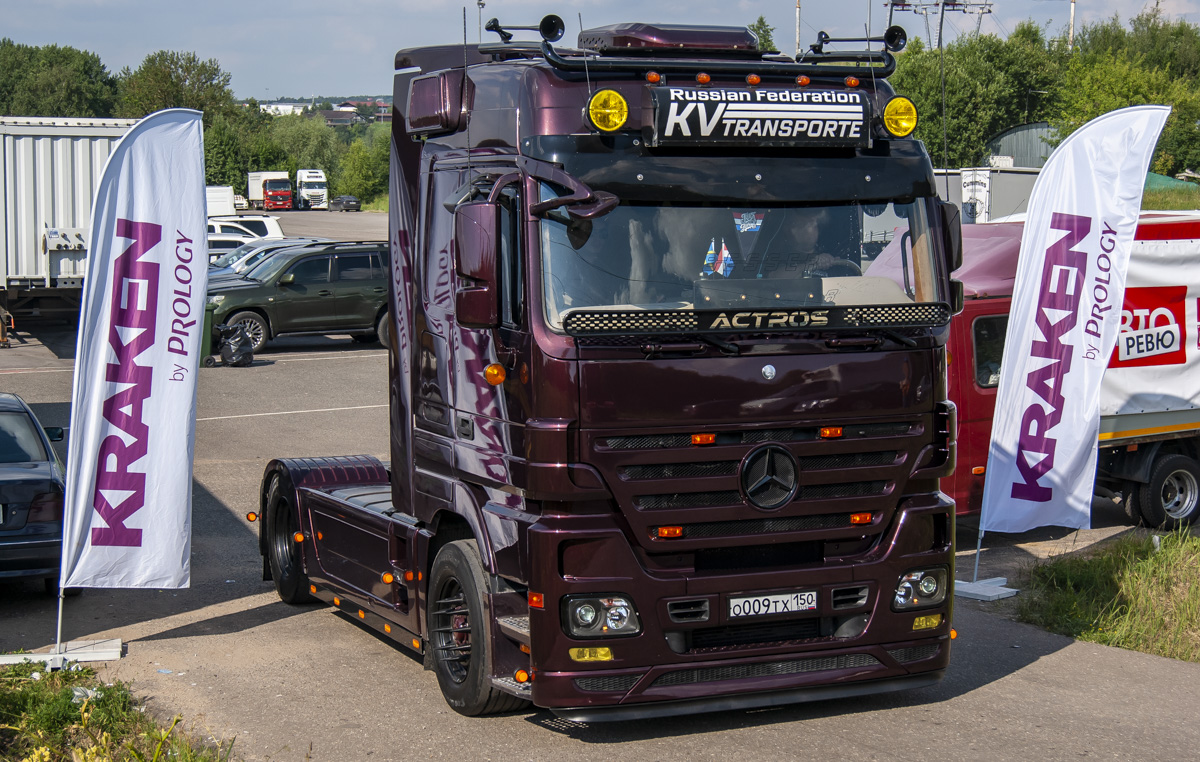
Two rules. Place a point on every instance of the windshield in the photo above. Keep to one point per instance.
(277, 185)
(19, 440)
(225, 260)
(313, 185)
(645, 256)
(269, 269)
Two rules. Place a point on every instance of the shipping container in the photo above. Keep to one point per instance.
(49, 168)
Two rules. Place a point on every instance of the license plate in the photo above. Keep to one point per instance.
(774, 603)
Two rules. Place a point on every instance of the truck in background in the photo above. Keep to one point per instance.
(1149, 453)
(49, 170)
(312, 191)
(662, 442)
(220, 200)
(269, 190)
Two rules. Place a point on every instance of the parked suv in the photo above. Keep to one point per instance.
(337, 288)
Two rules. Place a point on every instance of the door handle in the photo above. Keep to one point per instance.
(324, 293)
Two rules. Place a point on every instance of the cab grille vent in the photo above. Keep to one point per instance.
(914, 653)
(607, 684)
(765, 669)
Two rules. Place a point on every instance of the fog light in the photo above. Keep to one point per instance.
(608, 111)
(900, 116)
(598, 616)
(927, 622)
(591, 654)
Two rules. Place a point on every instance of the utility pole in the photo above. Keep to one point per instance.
(797, 30)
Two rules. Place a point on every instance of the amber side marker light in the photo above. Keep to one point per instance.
(852, 82)
(537, 601)
(753, 79)
(831, 432)
(653, 77)
(416, 644)
(521, 676)
(803, 80)
(251, 517)
(861, 518)
(669, 532)
(703, 78)
(298, 537)
(494, 374)
(362, 614)
(388, 578)
(387, 628)
(703, 439)
(312, 589)
(408, 576)
(953, 634)
(979, 470)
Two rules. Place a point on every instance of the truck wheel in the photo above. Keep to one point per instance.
(459, 632)
(1171, 498)
(283, 552)
(256, 328)
(381, 329)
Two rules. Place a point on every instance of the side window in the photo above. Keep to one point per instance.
(353, 267)
(311, 272)
(379, 265)
(258, 227)
(987, 335)
(212, 228)
(508, 263)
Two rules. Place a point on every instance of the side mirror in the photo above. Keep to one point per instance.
(952, 230)
(957, 298)
(53, 433)
(476, 303)
(287, 280)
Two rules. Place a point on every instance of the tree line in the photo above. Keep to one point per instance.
(991, 84)
(60, 81)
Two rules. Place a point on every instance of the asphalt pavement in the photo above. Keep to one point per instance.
(292, 683)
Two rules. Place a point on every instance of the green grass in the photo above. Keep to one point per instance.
(377, 204)
(1172, 198)
(41, 721)
(1125, 594)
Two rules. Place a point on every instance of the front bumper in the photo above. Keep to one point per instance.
(680, 667)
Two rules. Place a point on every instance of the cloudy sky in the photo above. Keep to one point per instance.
(301, 48)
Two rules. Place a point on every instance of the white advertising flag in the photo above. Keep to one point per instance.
(133, 412)
(1066, 311)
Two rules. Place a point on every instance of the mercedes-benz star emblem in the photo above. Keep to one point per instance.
(769, 372)
(769, 477)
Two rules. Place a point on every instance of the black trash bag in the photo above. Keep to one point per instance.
(235, 347)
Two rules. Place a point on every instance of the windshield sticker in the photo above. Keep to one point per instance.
(718, 262)
(748, 225)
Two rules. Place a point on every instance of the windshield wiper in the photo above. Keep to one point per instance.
(871, 341)
(725, 346)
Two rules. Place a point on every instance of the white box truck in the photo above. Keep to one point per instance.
(49, 169)
(312, 190)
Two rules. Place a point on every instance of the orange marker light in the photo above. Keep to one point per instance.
(251, 516)
(387, 628)
(852, 82)
(320, 536)
(703, 78)
(753, 79)
(703, 439)
(420, 576)
(537, 601)
(860, 518)
(670, 531)
(803, 80)
(979, 470)
(312, 589)
(298, 537)
(362, 614)
(953, 634)
(831, 432)
(524, 648)
(416, 644)
(653, 77)
(337, 601)
(388, 578)
(494, 374)
(408, 576)
(521, 676)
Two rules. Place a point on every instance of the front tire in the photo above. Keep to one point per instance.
(255, 327)
(459, 632)
(1171, 498)
(381, 329)
(283, 552)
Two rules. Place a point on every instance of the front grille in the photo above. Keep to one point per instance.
(914, 653)
(852, 489)
(680, 470)
(852, 460)
(765, 669)
(689, 500)
(755, 557)
(721, 638)
(607, 684)
(766, 526)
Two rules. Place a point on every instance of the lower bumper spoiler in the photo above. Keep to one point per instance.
(747, 701)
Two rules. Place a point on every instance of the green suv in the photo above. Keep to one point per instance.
(339, 288)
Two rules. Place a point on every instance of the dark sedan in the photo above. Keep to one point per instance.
(344, 204)
(32, 484)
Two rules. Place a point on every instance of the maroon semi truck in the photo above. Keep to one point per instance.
(661, 441)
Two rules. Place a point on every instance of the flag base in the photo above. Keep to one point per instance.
(73, 651)
(985, 589)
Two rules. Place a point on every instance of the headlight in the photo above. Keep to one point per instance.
(920, 589)
(600, 616)
(216, 298)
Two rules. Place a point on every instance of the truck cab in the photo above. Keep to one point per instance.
(667, 425)
(312, 191)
